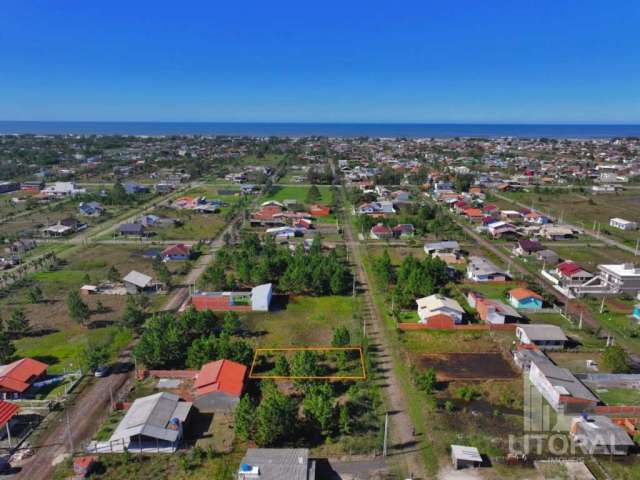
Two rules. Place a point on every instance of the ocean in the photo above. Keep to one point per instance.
(346, 130)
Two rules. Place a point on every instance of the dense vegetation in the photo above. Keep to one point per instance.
(252, 263)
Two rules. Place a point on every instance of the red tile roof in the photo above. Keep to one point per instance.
(178, 249)
(569, 268)
(17, 375)
(522, 293)
(221, 376)
(7, 411)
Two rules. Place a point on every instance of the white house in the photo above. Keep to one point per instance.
(598, 435)
(481, 269)
(623, 224)
(63, 189)
(439, 305)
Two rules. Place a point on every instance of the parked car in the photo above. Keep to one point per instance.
(102, 371)
(123, 367)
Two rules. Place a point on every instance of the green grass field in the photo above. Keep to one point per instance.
(306, 321)
(620, 396)
(299, 194)
(63, 350)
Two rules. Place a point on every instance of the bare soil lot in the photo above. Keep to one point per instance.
(468, 366)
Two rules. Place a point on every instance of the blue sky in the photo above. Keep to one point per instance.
(326, 61)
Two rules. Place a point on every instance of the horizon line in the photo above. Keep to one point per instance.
(294, 122)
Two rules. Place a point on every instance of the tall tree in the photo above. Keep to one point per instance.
(7, 350)
(18, 323)
(318, 405)
(78, 310)
(275, 417)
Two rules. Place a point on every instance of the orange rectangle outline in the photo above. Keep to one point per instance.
(259, 351)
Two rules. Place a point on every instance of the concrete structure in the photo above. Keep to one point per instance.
(612, 279)
(277, 464)
(544, 337)
(465, 457)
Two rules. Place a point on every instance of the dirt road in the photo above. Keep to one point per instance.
(88, 407)
(401, 430)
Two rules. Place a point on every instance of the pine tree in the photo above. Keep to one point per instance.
(78, 310)
(7, 350)
(244, 418)
(18, 323)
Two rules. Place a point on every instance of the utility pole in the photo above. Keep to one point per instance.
(602, 305)
(386, 434)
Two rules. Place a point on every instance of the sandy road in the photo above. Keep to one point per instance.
(403, 442)
(86, 409)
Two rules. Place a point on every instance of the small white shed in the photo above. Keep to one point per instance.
(465, 457)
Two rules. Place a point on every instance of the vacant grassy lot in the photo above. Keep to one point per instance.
(304, 322)
(583, 209)
(299, 194)
(620, 396)
(194, 226)
(63, 350)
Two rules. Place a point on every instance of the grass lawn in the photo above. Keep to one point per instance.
(63, 350)
(305, 322)
(583, 209)
(299, 194)
(194, 226)
(620, 396)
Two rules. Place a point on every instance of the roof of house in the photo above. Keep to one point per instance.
(178, 249)
(522, 293)
(570, 268)
(469, 454)
(483, 266)
(380, 229)
(437, 301)
(564, 382)
(537, 332)
(221, 376)
(600, 430)
(280, 463)
(445, 245)
(153, 416)
(483, 305)
(15, 376)
(138, 279)
(131, 227)
(530, 245)
(7, 411)
(621, 269)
